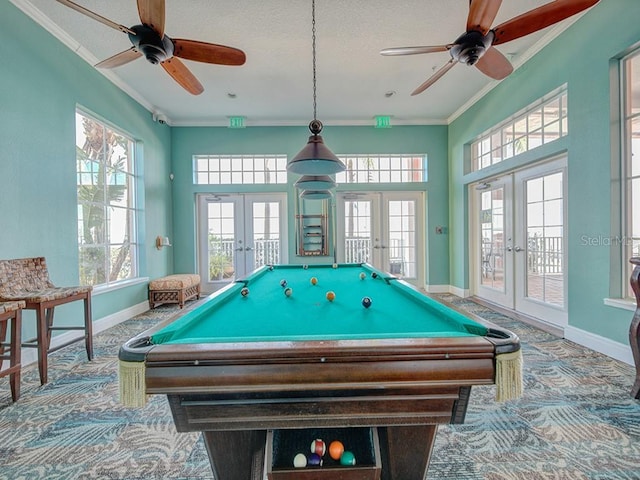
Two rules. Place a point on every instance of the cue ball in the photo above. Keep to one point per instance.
(288, 291)
(366, 302)
(336, 449)
(347, 458)
(314, 280)
(331, 296)
(283, 283)
(315, 460)
(244, 292)
(300, 461)
(363, 275)
(335, 265)
(319, 447)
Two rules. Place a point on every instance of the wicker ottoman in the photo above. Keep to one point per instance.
(174, 289)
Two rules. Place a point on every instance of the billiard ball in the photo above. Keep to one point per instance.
(244, 292)
(271, 268)
(283, 283)
(319, 447)
(347, 458)
(314, 280)
(304, 267)
(300, 460)
(363, 275)
(315, 460)
(331, 296)
(366, 302)
(288, 291)
(335, 265)
(374, 275)
(336, 448)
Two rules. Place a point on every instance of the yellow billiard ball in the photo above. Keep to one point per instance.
(331, 296)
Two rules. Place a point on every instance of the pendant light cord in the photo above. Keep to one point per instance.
(313, 43)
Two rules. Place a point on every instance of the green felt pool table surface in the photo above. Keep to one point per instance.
(267, 314)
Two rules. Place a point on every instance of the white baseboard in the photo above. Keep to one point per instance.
(437, 288)
(460, 292)
(600, 344)
(30, 355)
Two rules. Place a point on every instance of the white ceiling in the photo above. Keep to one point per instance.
(274, 87)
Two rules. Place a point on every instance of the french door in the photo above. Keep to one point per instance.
(384, 229)
(239, 233)
(518, 242)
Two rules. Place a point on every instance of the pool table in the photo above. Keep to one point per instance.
(244, 362)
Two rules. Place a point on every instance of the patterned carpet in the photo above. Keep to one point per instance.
(576, 420)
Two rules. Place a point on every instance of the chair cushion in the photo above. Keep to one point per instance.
(175, 282)
(10, 306)
(44, 295)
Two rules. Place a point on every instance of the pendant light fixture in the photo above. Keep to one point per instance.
(315, 158)
(316, 194)
(315, 182)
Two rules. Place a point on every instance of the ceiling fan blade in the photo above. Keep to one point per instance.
(151, 13)
(208, 52)
(120, 58)
(414, 50)
(95, 16)
(435, 77)
(539, 18)
(482, 13)
(494, 64)
(181, 74)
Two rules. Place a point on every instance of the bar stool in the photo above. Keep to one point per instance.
(11, 312)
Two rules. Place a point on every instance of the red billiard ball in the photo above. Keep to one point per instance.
(314, 280)
(336, 449)
(319, 447)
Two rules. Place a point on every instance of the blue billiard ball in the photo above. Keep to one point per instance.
(314, 460)
(366, 302)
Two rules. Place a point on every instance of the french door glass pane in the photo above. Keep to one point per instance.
(402, 238)
(492, 238)
(357, 227)
(266, 233)
(221, 240)
(545, 250)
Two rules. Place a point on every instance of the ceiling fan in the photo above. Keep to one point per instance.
(476, 45)
(149, 39)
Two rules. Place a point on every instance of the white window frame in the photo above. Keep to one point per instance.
(524, 131)
(630, 88)
(239, 169)
(383, 168)
(114, 210)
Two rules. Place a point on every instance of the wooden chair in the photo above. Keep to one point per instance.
(11, 312)
(27, 280)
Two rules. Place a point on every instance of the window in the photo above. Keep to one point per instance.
(239, 169)
(382, 169)
(106, 203)
(631, 159)
(541, 122)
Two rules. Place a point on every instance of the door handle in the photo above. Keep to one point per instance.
(518, 249)
(509, 248)
(248, 249)
(239, 249)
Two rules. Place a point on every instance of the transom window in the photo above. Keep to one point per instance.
(107, 241)
(631, 159)
(539, 123)
(382, 169)
(239, 169)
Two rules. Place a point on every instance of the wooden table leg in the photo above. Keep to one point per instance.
(406, 450)
(236, 455)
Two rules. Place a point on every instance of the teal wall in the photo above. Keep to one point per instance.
(581, 58)
(41, 83)
(190, 141)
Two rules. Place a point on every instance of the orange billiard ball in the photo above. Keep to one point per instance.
(331, 296)
(336, 449)
(314, 280)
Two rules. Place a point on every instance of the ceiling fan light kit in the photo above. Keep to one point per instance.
(476, 47)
